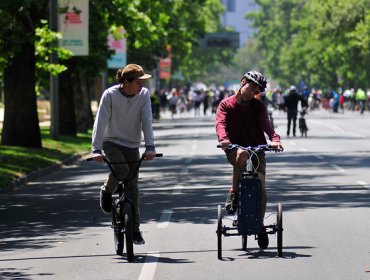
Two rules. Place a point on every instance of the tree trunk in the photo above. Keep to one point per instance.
(21, 124)
(67, 118)
(84, 117)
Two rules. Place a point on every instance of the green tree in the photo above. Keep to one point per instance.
(150, 26)
(21, 126)
(321, 43)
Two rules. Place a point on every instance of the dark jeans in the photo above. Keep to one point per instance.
(292, 116)
(117, 153)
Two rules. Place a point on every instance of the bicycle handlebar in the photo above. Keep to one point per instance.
(259, 148)
(121, 162)
(107, 161)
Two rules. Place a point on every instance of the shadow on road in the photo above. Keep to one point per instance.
(41, 214)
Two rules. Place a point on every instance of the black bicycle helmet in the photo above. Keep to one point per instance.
(257, 78)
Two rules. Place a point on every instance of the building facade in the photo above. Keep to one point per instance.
(235, 11)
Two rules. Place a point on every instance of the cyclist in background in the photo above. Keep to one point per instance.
(242, 119)
(360, 98)
(124, 111)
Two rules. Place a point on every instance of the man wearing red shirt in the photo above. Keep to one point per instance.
(242, 119)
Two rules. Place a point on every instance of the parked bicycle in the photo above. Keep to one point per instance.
(123, 211)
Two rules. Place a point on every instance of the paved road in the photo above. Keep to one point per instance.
(52, 228)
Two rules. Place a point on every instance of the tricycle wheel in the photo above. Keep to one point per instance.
(244, 241)
(279, 224)
(219, 233)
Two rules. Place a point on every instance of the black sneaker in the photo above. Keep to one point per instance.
(138, 238)
(105, 201)
(231, 203)
(263, 239)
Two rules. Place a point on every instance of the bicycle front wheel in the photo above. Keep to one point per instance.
(129, 231)
(117, 229)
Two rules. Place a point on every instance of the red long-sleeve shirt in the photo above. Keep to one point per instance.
(244, 123)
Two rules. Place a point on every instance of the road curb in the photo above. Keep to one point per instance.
(40, 173)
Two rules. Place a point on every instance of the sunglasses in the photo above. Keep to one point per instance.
(254, 88)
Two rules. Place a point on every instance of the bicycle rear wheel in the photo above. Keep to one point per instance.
(129, 231)
(279, 223)
(219, 233)
(117, 229)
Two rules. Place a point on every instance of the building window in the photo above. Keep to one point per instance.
(230, 5)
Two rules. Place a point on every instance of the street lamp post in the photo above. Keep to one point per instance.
(54, 88)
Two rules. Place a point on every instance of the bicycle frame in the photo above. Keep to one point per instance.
(123, 210)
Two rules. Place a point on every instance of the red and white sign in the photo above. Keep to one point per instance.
(165, 65)
(119, 45)
(74, 26)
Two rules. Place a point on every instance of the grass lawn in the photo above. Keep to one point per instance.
(16, 162)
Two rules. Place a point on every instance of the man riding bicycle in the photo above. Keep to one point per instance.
(242, 119)
(124, 111)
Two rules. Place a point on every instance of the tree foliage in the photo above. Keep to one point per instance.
(19, 19)
(150, 26)
(323, 44)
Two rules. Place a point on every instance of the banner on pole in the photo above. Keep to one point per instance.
(73, 23)
(119, 45)
(165, 65)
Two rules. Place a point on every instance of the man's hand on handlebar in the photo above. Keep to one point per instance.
(97, 157)
(149, 155)
(276, 145)
(224, 144)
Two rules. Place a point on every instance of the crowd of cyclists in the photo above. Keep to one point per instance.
(182, 101)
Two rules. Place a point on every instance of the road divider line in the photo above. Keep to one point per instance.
(319, 157)
(165, 218)
(177, 190)
(150, 266)
(184, 170)
(364, 184)
(337, 129)
(190, 187)
(337, 167)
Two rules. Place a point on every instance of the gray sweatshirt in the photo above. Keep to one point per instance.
(120, 120)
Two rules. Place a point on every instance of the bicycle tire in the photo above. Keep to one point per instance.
(219, 233)
(117, 229)
(129, 231)
(279, 223)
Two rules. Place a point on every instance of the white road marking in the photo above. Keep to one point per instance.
(337, 167)
(149, 267)
(184, 170)
(364, 184)
(303, 149)
(337, 129)
(319, 157)
(192, 187)
(164, 220)
(177, 190)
